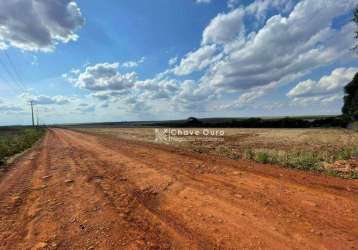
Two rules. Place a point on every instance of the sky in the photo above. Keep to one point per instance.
(102, 61)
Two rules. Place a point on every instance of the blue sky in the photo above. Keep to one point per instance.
(89, 61)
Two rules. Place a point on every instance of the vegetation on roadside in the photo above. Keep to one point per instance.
(17, 141)
(306, 160)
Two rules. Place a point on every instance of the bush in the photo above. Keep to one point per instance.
(262, 157)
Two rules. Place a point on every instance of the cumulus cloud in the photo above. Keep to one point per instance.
(197, 60)
(192, 97)
(102, 76)
(38, 25)
(259, 8)
(284, 47)
(157, 88)
(227, 26)
(224, 27)
(328, 84)
(254, 63)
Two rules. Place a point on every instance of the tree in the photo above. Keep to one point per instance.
(350, 107)
(193, 121)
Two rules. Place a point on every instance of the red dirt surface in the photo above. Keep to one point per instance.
(81, 191)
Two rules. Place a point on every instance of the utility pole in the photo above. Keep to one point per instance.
(32, 113)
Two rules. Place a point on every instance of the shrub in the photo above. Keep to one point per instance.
(262, 157)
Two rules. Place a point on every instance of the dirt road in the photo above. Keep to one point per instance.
(80, 191)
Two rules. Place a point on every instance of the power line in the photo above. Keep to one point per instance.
(37, 115)
(14, 74)
(19, 78)
(6, 69)
(14, 88)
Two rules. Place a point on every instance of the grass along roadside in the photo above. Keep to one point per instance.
(14, 143)
(335, 164)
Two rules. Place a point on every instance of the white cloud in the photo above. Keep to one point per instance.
(255, 63)
(191, 97)
(133, 64)
(259, 8)
(224, 27)
(157, 88)
(328, 84)
(285, 47)
(227, 26)
(102, 76)
(197, 60)
(38, 25)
